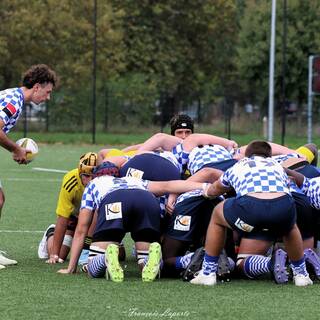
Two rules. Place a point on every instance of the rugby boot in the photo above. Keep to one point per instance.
(195, 265)
(114, 270)
(4, 261)
(313, 260)
(203, 279)
(300, 280)
(43, 247)
(280, 273)
(224, 268)
(152, 268)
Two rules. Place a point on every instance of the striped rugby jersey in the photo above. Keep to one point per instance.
(70, 194)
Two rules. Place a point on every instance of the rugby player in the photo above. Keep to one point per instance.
(37, 85)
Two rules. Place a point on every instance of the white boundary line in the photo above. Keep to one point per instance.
(49, 170)
(21, 231)
(30, 179)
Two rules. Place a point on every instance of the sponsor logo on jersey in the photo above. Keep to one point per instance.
(243, 226)
(113, 211)
(134, 173)
(182, 223)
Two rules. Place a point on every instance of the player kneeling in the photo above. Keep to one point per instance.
(122, 205)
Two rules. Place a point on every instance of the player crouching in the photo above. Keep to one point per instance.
(122, 205)
(263, 203)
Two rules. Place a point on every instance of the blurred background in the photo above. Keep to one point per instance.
(128, 66)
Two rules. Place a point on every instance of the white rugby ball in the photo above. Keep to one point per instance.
(31, 146)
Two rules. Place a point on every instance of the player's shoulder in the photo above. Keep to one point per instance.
(71, 180)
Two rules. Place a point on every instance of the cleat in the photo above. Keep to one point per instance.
(84, 268)
(206, 280)
(114, 270)
(2, 267)
(4, 261)
(152, 267)
(280, 273)
(43, 248)
(313, 260)
(224, 267)
(195, 265)
(301, 280)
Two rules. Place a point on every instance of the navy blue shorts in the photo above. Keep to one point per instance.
(152, 167)
(123, 211)
(222, 165)
(257, 218)
(305, 215)
(309, 171)
(190, 219)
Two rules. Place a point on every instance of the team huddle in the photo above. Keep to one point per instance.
(195, 205)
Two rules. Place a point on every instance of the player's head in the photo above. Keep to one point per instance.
(258, 148)
(106, 168)
(41, 80)
(181, 126)
(310, 151)
(87, 163)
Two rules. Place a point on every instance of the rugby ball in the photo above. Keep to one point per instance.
(31, 146)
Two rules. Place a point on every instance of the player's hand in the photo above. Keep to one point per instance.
(20, 155)
(171, 203)
(54, 259)
(65, 271)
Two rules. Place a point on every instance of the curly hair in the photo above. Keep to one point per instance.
(39, 73)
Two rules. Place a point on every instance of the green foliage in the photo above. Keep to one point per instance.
(303, 21)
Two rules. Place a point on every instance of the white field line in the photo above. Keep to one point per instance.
(30, 179)
(21, 231)
(49, 170)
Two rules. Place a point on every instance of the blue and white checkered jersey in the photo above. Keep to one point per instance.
(311, 188)
(202, 155)
(189, 194)
(99, 187)
(181, 155)
(11, 103)
(256, 174)
(170, 156)
(283, 157)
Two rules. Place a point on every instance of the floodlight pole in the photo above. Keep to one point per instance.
(310, 98)
(271, 72)
(284, 69)
(94, 71)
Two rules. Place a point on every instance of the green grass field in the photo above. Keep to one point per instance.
(33, 289)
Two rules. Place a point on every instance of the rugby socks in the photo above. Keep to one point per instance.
(87, 242)
(183, 261)
(97, 266)
(299, 267)
(210, 264)
(257, 265)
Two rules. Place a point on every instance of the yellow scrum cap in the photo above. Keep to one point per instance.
(307, 153)
(120, 153)
(87, 163)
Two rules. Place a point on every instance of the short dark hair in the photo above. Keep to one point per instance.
(258, 148)
(181, 121)
(39, 73)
